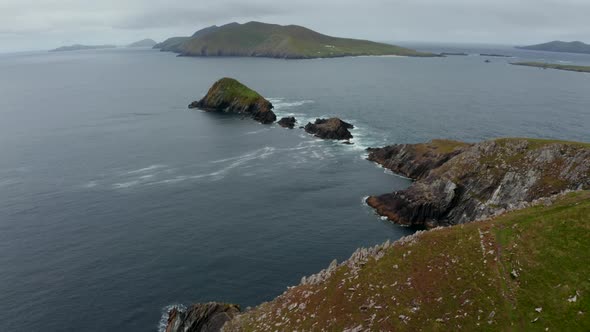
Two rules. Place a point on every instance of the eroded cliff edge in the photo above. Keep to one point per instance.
(459, 182)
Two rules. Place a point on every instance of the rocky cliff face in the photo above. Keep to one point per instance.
(458, 183)
(230, 96)
(209, 317)
(332, 128)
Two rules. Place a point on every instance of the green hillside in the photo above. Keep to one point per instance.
(526, 270)
(270, 40)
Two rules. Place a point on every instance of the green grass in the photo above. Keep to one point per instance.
(458, 278)
(581, 69)
(535, 143)
(229, 89)
(270, 40)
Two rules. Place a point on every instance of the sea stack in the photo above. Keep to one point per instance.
(230, 96)
(332, 128)
(287, 122)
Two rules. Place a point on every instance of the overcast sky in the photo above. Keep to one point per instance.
(44, 24)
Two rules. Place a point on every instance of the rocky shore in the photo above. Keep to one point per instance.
(458, 182)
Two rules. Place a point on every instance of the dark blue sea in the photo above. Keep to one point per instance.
(116, 201)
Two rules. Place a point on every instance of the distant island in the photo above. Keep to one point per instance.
(560, 46)
(580, 69)
(256, 39)
(143, 43)
(78, 47)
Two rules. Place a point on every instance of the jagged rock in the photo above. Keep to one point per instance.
(288, 122)
(459, 183)
(332, 128)
(230, 96)
(208, 317)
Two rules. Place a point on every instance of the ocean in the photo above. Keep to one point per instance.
(118, 202)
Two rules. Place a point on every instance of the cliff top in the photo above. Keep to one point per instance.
(524, 270)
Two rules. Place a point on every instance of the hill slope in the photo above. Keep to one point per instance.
(270, 40)
(525, 270)
(560, 46)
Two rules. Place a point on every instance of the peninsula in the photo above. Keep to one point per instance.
(543, 65)
(560, 46)
(256, 39)
(457, 182)
(78, 47)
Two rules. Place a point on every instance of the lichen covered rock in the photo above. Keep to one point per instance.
(230, 96)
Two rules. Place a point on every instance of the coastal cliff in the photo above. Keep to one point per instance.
(458, 182)
(534, 208)
(523, 271)
(230, 96)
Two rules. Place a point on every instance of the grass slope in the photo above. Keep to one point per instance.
(271, 40)
(560, 46)
(523, 271)
(581, 69)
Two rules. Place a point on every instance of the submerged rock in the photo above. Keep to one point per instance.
(230, 96)
(208, 317)
(458, 182)
(332, 128)
(288, 122)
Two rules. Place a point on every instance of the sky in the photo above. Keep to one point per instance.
(45, 24)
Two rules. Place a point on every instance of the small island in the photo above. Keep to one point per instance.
(256, 39)
(79, 47)
(230, 96)
(543, 65)
(560, 46)
(143, 43)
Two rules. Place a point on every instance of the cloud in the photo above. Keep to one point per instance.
(197, 15)
(45, 22)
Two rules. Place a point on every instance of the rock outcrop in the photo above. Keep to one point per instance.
(230, 96)
(332, 128)
(287, 122)
(458, 182)
(209, 317)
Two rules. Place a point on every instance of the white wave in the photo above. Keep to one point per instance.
(124, 185)
(91, 184)
(281, 103)
(146, 169)
(164, 318)
(364, 201)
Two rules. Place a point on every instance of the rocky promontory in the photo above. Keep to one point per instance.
(332, 128)
(230, 96)
(459, 182)
(208, 317)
